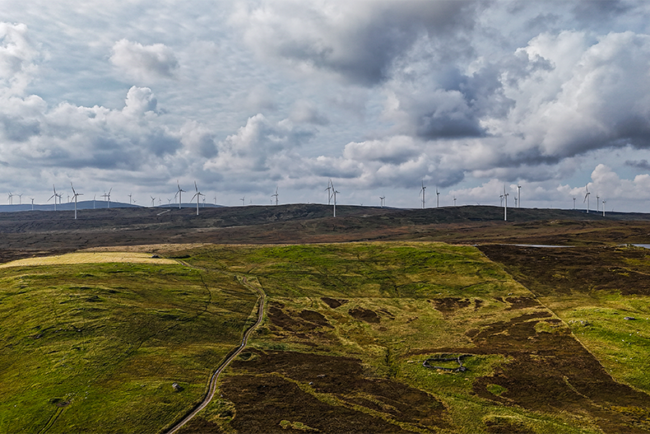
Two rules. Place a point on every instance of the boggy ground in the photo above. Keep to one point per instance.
(349, 326)
(603, 295)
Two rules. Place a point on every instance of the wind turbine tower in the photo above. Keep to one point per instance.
(505, 204)
(32, 203)
(198, 195)
(276, 196)
(574, 203)
(423, 193)
(20, 198)
(153, 201)
(243, 201)
(454, 200)
(130, 198)
(107, 196)
(597, 202)
(179, 193)
(587, 197)
(54, 196)
(604, 202)
(329, 191)
(519, 196)
(382, 201)
(437, 198)
(11, 198)
(75, 195)
(334, 193)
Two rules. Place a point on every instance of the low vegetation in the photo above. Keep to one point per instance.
(346, 334)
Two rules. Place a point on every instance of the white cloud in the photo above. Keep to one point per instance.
(144, 62)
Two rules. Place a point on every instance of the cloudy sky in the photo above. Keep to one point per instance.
(248, 96)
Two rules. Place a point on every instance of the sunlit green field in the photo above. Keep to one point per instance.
(96, 347)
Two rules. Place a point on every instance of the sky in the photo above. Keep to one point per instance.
(380, 97)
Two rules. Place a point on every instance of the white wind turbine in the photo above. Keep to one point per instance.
(587, 197)
(11, 198)
(505, 207)
(276, 196)
(20, 198)
(243, 201)
(437, 198)
(32, 203)
(75, 195)
(518, 196)
(153, 201)
(55, 196)
(382, 201)
(597, 202)
(574, 203)
(423, 194)
(198, 195)
(334, 193)
(329, 191)
(179, 193)
(130, 198)
(604, 202)
(107, 196)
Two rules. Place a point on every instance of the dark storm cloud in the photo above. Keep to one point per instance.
(360, 44)
(638, 164)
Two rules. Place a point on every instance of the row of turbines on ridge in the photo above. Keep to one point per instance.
(331, 198)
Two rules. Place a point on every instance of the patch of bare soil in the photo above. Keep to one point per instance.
(552, 372)
(521, 302)
(367, 315)
(263, 395)
(199, 425)
(333, 302)
(450, 304)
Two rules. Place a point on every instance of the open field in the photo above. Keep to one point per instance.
(97, 338)
(97, 347)
(349, 326)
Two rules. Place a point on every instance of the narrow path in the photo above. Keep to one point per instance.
(215, 377)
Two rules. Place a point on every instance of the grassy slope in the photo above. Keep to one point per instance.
(98, 346)
(400, 284)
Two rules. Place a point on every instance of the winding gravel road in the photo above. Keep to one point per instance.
(215, 377)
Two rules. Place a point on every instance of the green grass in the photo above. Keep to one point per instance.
(110, 339)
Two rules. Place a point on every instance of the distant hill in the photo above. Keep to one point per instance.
(91, 204)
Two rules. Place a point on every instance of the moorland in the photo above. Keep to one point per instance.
(380, 320)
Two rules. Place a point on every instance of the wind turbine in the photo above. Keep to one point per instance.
(198, 195)
(505, 208)
(169, 201)
(243, 201)
(597, 202)
(11, 198)
(276, 196)
(54, 196)
(422, 193)
(179, 193)
(587, 197)
(75, 194)
(382, 201)
(130, 198)
(574, 203)
(604, 202)
(519, 196)
(32, 203)
(334, 193)
(153, 201)
(215, 200)
(107, 196)
(20, 198)
(437, 198)
(454, 200)
(329, 191)
(515, 201)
